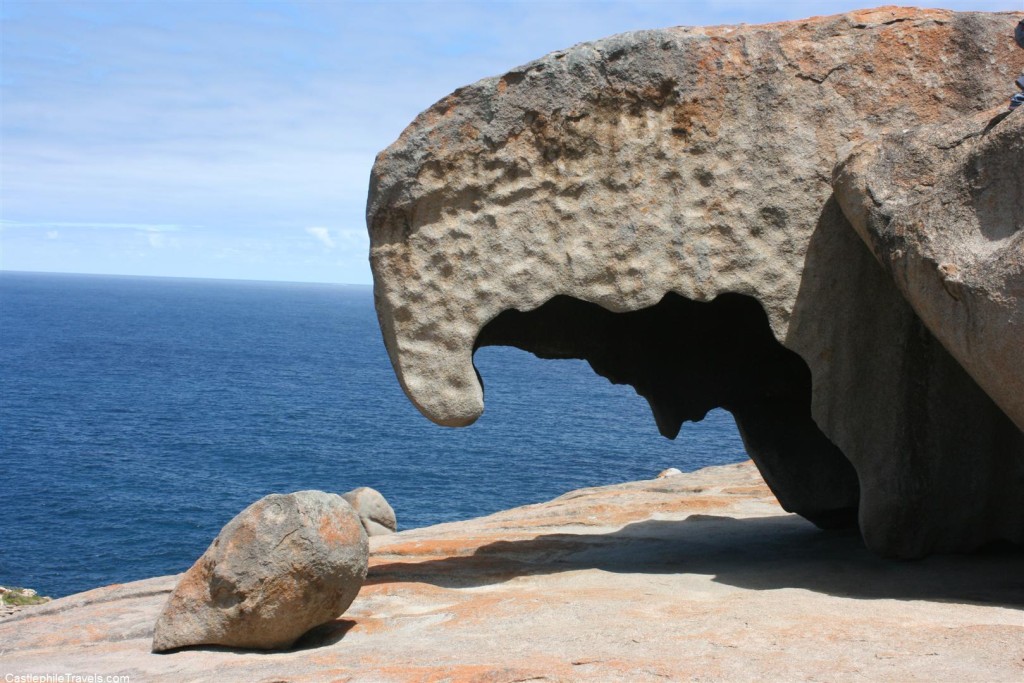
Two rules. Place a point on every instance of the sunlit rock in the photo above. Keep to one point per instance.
(375, 513)
(285, 564)
(670, 192)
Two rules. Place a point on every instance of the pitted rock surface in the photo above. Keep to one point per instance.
(697, 163)
(283, 565)
(687, 160)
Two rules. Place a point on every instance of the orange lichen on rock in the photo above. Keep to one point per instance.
(638, 593)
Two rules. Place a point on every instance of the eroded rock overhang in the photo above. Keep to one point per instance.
(691, 160)
(698, 162)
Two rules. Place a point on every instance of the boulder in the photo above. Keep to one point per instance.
(375, 513)
(283, 565)
(660, 204)
(670, 472)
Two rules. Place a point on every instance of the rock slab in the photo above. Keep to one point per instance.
(700, 576)
(283, 565)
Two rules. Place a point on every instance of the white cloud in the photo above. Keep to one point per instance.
(143, 227)
(263, 115)
(52, 234)
(322, 234)
(353, 238)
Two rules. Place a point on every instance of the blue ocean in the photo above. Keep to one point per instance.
(139, 415)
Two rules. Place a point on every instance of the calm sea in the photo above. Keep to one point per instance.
(139, 415)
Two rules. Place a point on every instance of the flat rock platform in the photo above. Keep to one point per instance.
(698, 577)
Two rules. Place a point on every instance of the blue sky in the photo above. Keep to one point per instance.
(235, 139)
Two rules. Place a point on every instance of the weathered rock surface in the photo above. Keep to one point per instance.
(375, 513)
(694, 577)
(283, 565)
(942, 208)
(660, 204)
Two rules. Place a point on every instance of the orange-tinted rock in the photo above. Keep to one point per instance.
(698, 576)
(285, 564)
(660, 204)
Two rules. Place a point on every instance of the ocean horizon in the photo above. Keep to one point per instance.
(136, 276)
(139, 414)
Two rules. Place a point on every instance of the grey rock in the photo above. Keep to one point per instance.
(942, 208)
(285, 564)
(660, 204)
(375, 513)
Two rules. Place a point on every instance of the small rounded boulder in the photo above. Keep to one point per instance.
(285, 564)
(376, 514)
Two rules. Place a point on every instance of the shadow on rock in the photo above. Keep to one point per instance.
(758, 553)
(319, 636)
(326, 634)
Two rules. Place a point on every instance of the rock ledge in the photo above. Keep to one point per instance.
(696, 576)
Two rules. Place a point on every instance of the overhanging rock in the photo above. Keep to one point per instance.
(655, 172)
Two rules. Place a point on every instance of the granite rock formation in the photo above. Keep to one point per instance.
(375, 513)
(942, 208)
(660, 203)
(285, 564)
